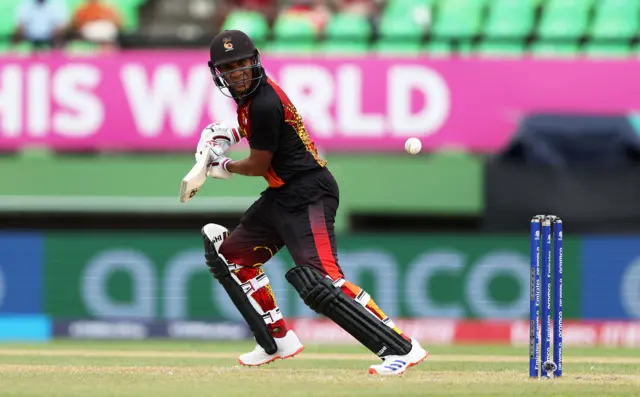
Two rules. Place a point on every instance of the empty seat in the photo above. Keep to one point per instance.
(252, 23)
(510, 18)
(564, 19)
(555, 50)
(489, 48)
(595, 49)
(615, 19)
(458, 18)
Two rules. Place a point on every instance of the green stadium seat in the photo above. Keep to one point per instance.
(344, 48)
(414, 15)
(81, 48)
(401, 6)
(392, 47)
(458, 18)
(542, 49)
(399, 34)
(400, 28)
(289, 48)
(130, 17)
(465, 48)
(510, 18)
(137, 3)
(252, 23)
(615, 19)
(8, 10)
(596, 49)
(71, 5)
(288, 27)
(436, 48)
(348, 27)
(22, 48)
(347, 34)
(564, 19)
(500, 49)
(293, 34)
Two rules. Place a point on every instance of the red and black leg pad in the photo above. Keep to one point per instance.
(318, 292)
(220, 270)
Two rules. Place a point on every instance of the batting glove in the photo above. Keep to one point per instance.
(218, 168)
(221, 132)
(216, 138)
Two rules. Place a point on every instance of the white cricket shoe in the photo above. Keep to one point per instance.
(288, 346)
(396, 365)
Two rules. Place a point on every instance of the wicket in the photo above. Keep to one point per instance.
(542, 227)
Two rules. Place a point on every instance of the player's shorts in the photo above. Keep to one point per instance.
(307, 231)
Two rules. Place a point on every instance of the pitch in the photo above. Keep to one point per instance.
(162, 368)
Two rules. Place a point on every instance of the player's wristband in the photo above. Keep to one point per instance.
(224, 164)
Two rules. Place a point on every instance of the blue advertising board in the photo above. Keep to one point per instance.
(21, 273)
(610, 277)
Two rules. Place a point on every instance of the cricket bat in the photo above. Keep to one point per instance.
(193, 181)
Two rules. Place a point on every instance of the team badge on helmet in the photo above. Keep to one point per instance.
(228, 46)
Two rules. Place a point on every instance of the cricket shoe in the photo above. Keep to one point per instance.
(396, 365)
(288, 346)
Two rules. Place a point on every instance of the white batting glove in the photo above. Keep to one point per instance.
(216, 138)
(221, 132)
(213, 149)
(218, 168)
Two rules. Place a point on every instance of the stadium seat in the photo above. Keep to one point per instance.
(347, 33)
(465, 48)
(341, 49)
(414, 15)
(293, 34)
(390, 47)
(489, 48)
(436, 48)
(22, 48)
(510, 18)
(290, 27)
(458, 18)
(615, 19)
(557, 50)
(72, 5)
(419, 12)
(348, 26)
(129, 12)
(400, 33)
(252, 23)
(564, 19)
(8, 9)
(285, 48)
(401, 6)
(81, 48)
(400, 27)
(596, 49)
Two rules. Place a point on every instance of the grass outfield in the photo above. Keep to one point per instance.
(185, 369)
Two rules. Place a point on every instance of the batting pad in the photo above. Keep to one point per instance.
(240, 294)
(323, 297)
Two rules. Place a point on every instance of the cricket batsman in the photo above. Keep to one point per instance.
(297, 210)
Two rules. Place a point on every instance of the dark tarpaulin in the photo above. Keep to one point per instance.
(585, 169)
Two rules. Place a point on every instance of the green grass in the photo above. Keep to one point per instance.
(185, 369)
